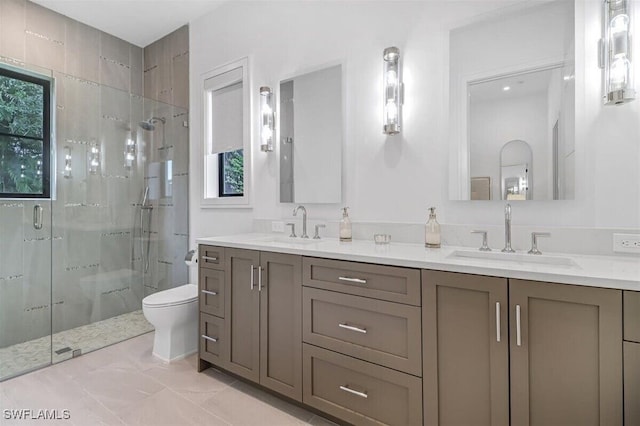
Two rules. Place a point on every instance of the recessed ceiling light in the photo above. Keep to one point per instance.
(506, 88)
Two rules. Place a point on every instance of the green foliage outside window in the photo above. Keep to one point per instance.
(233, 173)
(21, 136)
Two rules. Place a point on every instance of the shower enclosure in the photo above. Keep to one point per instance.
(74, 268)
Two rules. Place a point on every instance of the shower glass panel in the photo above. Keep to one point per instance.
(25, 228)
(77, 284)
(25, 286)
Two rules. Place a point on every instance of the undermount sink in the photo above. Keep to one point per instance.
(513, 257)
(289, 240)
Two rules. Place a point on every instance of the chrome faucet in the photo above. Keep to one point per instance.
(304, 220)
(507, 230)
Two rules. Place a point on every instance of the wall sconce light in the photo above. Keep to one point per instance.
(94, 159)
(67, 162)
(393, 88)
(267, 119)
(615, 53)
(129, 153)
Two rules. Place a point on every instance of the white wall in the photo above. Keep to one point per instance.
(396, 178)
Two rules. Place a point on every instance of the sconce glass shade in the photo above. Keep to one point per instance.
(615, 53)
(392, 86)
(129, 153)
(94, 159)
(267, 119)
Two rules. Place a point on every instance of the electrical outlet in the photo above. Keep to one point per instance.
(277, 226)
(626, 243)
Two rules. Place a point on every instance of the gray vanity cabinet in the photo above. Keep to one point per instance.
(466, 349)
(263, 319)
(565, 354)
(558, 361)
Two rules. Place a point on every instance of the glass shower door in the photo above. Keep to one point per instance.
(25, 286)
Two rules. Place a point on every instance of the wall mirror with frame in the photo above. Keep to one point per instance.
(509, 81)
(310, 137)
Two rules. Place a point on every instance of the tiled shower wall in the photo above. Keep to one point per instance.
(166, 91)
(87, 260)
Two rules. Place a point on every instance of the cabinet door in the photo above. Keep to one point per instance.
(631, 383)
(281, 323)
(566, 354)
(465, 352)
(242, 312)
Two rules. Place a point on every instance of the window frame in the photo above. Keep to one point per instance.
(47, 118)
(210, 177)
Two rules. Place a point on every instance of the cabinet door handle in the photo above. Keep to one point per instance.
(210, 293)
(213, 259)
(259, 278)
(251, 282)
(211, 339)
(498, 322)
(353, 280)
(353, 328)
(354, 392)
(518, 332)
(37, 216)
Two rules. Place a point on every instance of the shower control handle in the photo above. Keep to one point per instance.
(37, 216)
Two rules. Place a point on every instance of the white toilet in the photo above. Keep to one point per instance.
(174, 314)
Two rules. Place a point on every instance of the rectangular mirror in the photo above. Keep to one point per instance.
(512, 91)
(310, 145)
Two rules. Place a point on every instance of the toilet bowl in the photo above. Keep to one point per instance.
(174, 314)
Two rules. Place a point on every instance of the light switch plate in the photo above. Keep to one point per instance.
(626, 243)
(277, 226)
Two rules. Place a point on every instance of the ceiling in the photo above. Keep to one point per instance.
(140, 22)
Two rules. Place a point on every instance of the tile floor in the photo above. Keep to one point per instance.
(38, 352)
(124, 385)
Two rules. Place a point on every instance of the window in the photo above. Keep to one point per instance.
(230, 174)
(25, 128)
(226, 136)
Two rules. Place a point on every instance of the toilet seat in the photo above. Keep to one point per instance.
(187, 293)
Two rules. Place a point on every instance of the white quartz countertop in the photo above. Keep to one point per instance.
(621, 272)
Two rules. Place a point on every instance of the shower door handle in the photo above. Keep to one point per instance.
(37, 216)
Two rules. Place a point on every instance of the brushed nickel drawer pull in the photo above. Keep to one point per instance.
(211, 339)
(353, 280)
(210, 293)
(353, 328)
(213, 259)
(259, 278)
(498, 322)
(518, 331)
(251, 282)
(360, 394)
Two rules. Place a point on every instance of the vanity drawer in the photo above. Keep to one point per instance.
(211, 257)
(211, 339)
(359, 392)
(377, 281)
(631, 312)
(211, 291)
(381, 332)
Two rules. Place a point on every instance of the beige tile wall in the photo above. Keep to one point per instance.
(166, 69)
(38, 36)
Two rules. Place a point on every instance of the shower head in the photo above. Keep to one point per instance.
(150, 123)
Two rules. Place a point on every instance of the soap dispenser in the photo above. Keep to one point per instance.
(432, 230)
(345, 225)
